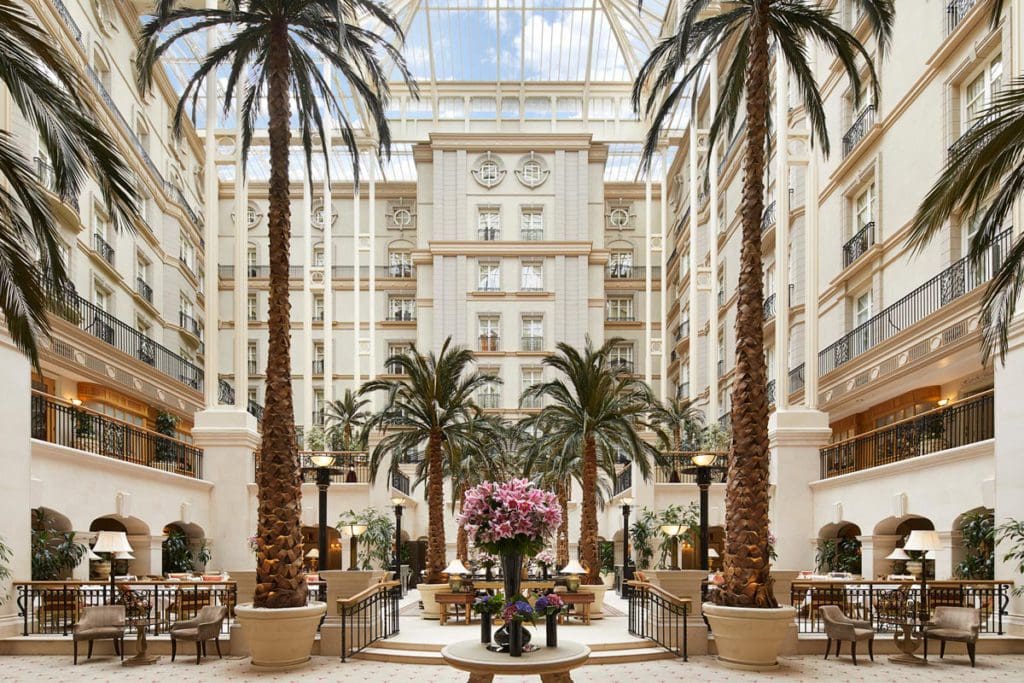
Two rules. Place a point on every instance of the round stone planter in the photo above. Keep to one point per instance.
(280, 639)
(598, 591)
(748, 638)
(427, 591)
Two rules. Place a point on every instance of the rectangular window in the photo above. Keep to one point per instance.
(620, 356)
(400, 263)
(979, 91)
(722, 296)
(684, 380)
(252, 358)
(187, 253)
(401, 308)
(252, 310)
(396, 349)
(489, 331)
(142, 269)
(620, 309)
(318, 407)
(489, 277)
(318, 256)
(489, 396)
(530, 377)
(318, 307)
(721, 354)
(253, 395)
(620, 264)
(251, 261)
(861, 315)
(863, 209)
(185, 305)
(531, 276)
(533, 333)
(531, 224)
(488, 223)
(318, 358)
(862, 309)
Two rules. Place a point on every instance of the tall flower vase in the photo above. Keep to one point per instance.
(512, 570)
(515, 638)
(485, 628)
(552, 630)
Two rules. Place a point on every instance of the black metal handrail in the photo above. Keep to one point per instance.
(188, 323)
(957, 424)
(889, 604)
(97, 322)
(350, 467)
(956, 150)
(623, 481)
(401, 316)
(952, 283)
(144, 290)
(54, 607)
(770, 391)
(103, 248)
(80, 428)
(768, 217)
(368, 617)
(673, 466)
(859, 244)
(657, 616)
(769, 307)
(489, 234)
(400, 482)
(859, 130)
(956, 10)
(623, 271)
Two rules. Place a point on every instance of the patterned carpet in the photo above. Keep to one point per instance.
(413, 610)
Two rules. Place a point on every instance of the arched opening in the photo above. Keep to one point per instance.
(138, 538)
(55, 552)
(839, 549)
(974, 544)
(311, 541)
(184, 548)
(891, 533)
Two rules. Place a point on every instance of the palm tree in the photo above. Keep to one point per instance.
(595, 409)
(277, 49)
(45, 88)
(432, 405)
(674, 69)
(348, 419)
(679, 425)
(981, 182)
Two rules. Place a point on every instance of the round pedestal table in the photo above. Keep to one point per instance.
(552, 664)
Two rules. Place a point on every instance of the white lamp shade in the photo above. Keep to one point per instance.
(898, 554)
(712, 553)
(923, 540)
(90, 555)
(397, 501)
(322, 460)
(703, 459)
(314, 553)
(112, 542)
(456, 567)
(574, 567)
(626, 500)
(124, 556)
(670, 529)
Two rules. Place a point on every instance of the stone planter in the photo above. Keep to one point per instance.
(747, 638)
(280, 639)
(427, 591)
(598, 591)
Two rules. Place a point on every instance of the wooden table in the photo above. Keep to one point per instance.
(523, 585)
(552, 664)
(465, 599)
(582, 600)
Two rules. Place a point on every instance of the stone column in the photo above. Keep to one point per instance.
(881, 546)
(1009, 480)
(81, 572)
(942, 559)
(228, 438)
(795, 437)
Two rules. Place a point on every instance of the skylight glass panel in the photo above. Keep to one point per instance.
(606, 61)
(569, 108)
(538, 108)
(510, 107)
(451, 108)
(483, 108)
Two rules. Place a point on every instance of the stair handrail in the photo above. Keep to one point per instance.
(381, 601)
(656, 615)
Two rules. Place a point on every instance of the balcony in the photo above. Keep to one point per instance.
(144, 290)
(770, 392)
(619, 318)
(956, 11)
(859, 244)
(488, 287)
(529, 235)
(101, 247)
(189, 264)
(675, 463)
(532, 344)
(401, 316)
(623, 481)
(488, 401)
(769, 307)
(188, 323)
(768, 217)
(958, 150)
(76, 427)
(48, 179)
(796, 379)
(951, 284)
(630, 273)
(958, 424)
(350, 467)
(490, 342)
(488, 234)
(317, 316)
(400, 482)
(90, 318)
(226, 396)
(859, 130)
(318, 366)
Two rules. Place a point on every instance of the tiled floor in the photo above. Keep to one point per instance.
(992, 668)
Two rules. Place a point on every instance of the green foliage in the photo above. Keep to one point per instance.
(83, 424)
(606, 554)
(687, 517)
(1011, 533)
(492, 604)
(315, 438)
(166, 424)
(678, 424)
(5, 571)
(839, 555)
(978, 535)
(54, 553)
(715, 438)
(641, 534)
(376, 545)
(178, 555)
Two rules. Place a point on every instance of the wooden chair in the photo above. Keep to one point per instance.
(204, 628)
(105, 622)
(839, 627)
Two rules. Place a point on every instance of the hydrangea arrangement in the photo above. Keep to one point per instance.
(489, 604)
(549, 604)
(514, 517)
(545, 558)
(519, 610)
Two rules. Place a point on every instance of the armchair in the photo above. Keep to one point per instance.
(958, 624)
(839, 627)
(105, 622)
(205, 627)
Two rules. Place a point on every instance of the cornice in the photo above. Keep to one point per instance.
(513, 142)
(508, 248)
(972, 451)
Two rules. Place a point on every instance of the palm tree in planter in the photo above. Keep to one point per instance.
(596, 407)
(431, 405)
(348, 422)
(675, 67)
(277, 50)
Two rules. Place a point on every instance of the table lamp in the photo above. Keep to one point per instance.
(455, 571)
(314, 557)
(112, 542)
(923, 540)
(573, 570)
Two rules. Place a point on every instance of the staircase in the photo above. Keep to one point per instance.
(397, 652)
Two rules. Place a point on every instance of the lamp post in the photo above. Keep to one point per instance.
(703, 466)
(354, 531)
(627, 574)
(922, 541)
(672, 531)
(398, 502)
(323, 466)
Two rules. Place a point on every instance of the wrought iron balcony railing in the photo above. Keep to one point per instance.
(770, 391)
(623, 481)
(350, 467)
(858, 245)
(489, 234)
(859, 130)
(796, 379)
(400, 482)
(624, 271)
(188, 323)
(533, 344)
(769, 307)
(103, 248)
(226, 396)
(768, 217)
(144, 290)
(957, 149)
(674, 464)
(490, 401)
(531, 235)
(956, 10)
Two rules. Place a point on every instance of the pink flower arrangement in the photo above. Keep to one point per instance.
(514, 517)
(545, 558)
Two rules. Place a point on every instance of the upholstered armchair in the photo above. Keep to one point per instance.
(104, 622)
(839, 627)
(958, 624)
(205, 627)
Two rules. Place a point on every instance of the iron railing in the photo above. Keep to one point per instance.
(531, 344)
(956, 10)
(796, 378)
(400, 482)
(887, 604)
(769, 307)
(100, 324)
(226, 396)
(658, 616)
(350, 467)
(318, 366)
(770, 392)
(488, 234)
(76, 427)
(488, 400)
(951, 426)
(859, 130)
(673, 465)
(368, 617)
(401, 316)
(959, 147)
(623, 481)
(54, 607)
(103, 248)
(620, 318)
(768, 217)
(952, 283)
(531, 235)
(623, 271)
(144, 290)
(188, 323)
(859, 244)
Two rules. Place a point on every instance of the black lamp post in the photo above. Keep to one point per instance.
(323, 466)
(627, 574)
(398, 502)
(703, 466)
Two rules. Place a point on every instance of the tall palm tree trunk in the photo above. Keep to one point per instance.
(562, 537)
(588, 512)
(747, 580)
(279, 580)
(462, 536)
(435, 511)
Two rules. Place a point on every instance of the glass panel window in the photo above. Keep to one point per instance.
(489, 331)
(620, 309)
(187, 253)
(684, 380)
(318, 307)
(531, 276)
(318, 256)
(396, 349)
(252, 309)
(530, 377)
(620, 264)
(621, 356)
(318, 407)
(318, 358)
(979, 91)
(185, 305)
(862, 309)
(531, 224)
(721, 355)
(489, 277)
(400, 263)
(401, 308)
(142, 269)
(533, 333)
(864, 208)
(488, 223)
(252, 359)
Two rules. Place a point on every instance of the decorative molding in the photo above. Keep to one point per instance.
(488, 170)
(532, 171)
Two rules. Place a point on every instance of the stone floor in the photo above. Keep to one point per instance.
(994, 668)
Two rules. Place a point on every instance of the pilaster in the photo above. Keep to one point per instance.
(1009, 470)
(15, 492)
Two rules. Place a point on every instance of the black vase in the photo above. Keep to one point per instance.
(502, 638)
(515, 638)
(552, 630)
(485, 628)
(512, 573)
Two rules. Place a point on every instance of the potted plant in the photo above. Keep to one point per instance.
(978, 535)
(514, 614)
(167, 452)
(487, 606)
(55, 553)
(545, 560)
